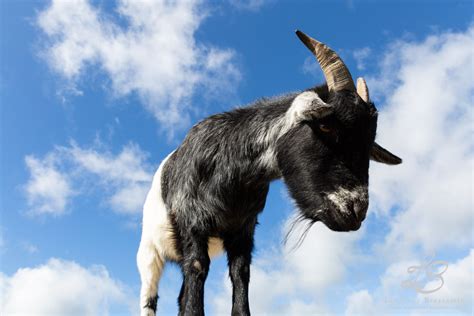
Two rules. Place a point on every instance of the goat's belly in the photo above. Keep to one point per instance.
(215, 247)
(167, 248)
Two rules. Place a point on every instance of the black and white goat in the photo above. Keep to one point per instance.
(207, 194)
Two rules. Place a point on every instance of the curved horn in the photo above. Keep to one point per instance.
(335, 71)
(362, 89)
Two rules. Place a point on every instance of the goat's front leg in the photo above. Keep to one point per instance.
(195, 266)
(239, 255)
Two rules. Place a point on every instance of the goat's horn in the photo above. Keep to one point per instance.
(335, 71)
(362, 89)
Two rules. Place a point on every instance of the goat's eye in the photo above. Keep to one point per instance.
(325, 128)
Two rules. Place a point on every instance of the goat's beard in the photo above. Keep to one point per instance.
(299, 225)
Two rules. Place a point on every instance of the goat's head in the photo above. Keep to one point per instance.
(324, 157)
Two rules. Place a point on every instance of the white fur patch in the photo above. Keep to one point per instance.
(342, 196)
(302, 106)
(268, 160)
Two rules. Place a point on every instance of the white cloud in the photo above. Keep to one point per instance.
(453, 294)
(456, 290)
(124, 178)
(29, 247)
(360, 303)
(427, 119)
(361, 55)
(250, 5)
(127, 175)
(153, 52)
(48, 189)
(311, 67)
(129, 199)
(61, 287)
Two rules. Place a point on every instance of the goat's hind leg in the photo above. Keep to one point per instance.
(150, 266)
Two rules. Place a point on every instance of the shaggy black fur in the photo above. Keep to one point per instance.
(215, 184)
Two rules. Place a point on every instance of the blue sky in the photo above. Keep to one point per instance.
(92, 100)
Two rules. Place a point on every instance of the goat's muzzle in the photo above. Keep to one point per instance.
(346, 209)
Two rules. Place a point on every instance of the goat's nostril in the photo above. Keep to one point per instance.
(360, 210)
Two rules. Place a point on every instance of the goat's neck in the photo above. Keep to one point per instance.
(268, 139)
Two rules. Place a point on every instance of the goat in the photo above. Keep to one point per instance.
(207, 194)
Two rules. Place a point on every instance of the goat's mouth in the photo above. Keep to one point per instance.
(344, 209)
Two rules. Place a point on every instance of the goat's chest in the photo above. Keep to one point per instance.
(241, 206)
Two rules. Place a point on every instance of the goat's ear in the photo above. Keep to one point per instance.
(308, 106)
(380, 154)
